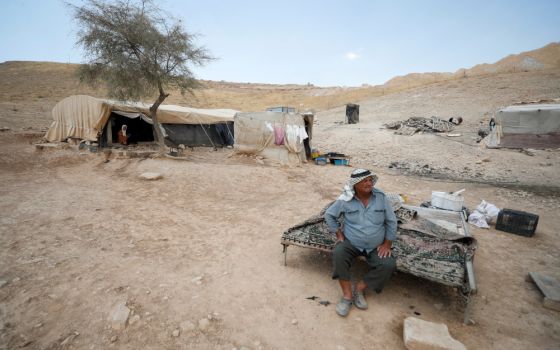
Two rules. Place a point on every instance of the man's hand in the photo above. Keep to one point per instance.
(384, 250)
(339, 236)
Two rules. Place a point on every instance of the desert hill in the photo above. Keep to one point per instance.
(547, 57)
(29, 90)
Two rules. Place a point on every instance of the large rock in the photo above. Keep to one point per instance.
(424, 335)
(119, 316)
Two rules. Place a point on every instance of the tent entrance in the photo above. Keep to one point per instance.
(138, 125)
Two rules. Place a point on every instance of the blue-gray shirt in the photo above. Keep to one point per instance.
(365, 227)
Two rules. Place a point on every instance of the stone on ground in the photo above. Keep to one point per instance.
(151, 176)
(550, 287)
(119, 317)
(424, 335)
(203, 324)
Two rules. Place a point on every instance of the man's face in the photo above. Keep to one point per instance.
(364, 186)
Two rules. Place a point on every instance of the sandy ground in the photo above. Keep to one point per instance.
(80, 232)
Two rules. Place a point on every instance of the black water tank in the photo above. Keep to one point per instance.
(352, 113)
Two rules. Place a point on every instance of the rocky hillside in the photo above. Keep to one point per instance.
(547, 57)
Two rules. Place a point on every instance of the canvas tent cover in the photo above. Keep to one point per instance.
(533, 125)
(84, 117)
(255, 134)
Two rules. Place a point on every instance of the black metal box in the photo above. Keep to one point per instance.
(518, 222)
(352, 113)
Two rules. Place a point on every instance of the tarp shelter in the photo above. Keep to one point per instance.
(529, 126)
(284, 137)
(93, 119)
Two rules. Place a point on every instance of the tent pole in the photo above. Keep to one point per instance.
(229, 132)
(109, 133)
(209, 139)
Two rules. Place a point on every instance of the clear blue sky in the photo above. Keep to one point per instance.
(327, 43)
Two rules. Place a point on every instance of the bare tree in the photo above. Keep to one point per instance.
(136, 50)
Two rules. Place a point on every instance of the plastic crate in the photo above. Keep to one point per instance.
(517, 222)
(321, 161)
(341, 161)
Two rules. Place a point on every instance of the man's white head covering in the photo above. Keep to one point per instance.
(356, 176)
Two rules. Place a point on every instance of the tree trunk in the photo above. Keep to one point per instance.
(153, 114)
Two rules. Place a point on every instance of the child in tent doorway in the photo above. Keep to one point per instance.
(123, 135)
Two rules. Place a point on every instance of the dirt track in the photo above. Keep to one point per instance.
(79, 235)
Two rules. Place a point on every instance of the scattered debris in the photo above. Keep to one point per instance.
(321, 302)
(416, 124)
(420, 334)
(412, 168)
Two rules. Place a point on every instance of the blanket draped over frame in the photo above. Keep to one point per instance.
(423, 248)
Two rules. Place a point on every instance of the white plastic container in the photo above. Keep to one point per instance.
(447, 201)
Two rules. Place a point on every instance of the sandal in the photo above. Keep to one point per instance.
(343, 307)
(360, 300)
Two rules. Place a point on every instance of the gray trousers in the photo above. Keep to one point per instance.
(380, 269)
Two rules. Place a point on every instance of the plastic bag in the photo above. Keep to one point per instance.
(484, 214)
(478, 219)
(489, 210)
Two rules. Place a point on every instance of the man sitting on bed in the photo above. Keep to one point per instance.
(369, 228)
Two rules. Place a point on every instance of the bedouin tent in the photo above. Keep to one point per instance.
(88, 118)
(528, 126)
(284, 137)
